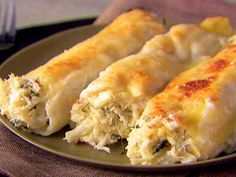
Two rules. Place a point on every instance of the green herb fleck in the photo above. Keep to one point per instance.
(164, 144)
(115, 137)
(47, 121)
(124, 152)
(18, 123)
(137, 126)
(33, 94)
(85, 109)
(105, 110)
(123, 142)
(33, 108)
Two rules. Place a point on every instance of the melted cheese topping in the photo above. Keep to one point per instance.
(64, 76)
(115, 101)
(199, 102)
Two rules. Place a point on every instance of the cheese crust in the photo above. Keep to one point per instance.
(193, 118)
(110, 106)
(41, 100)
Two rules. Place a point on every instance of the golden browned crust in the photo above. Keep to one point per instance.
(192, 119)
(63, 77)
(198, 83)
(128, 24)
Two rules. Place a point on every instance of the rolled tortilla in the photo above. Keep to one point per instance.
(41, 100)
(193, 118)
(110, 106)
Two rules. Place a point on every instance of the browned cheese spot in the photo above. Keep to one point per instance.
(193, 86)
(218, 66)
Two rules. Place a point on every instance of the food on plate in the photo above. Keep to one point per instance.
(193, 118)
(109, 107)
(41, 100)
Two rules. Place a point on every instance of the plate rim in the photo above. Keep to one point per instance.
(94, 162)
(127, 167)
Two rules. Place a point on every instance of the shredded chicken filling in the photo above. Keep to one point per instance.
(161, 146)
(26, 108)
(105, 125)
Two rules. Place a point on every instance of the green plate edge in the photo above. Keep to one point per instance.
(26, 60)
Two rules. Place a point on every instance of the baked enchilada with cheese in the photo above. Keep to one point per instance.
(40, 101)
(110, 106)
(193, 118)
